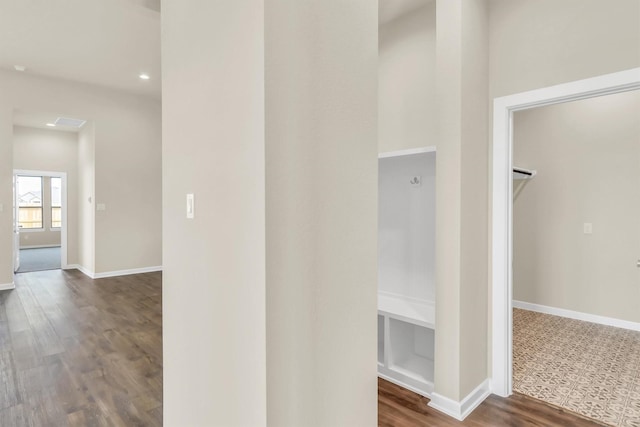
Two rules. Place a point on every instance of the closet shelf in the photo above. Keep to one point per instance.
(416, 367)
(521, 173)
(417, 312)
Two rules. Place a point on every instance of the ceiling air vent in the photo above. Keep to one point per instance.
(74, 123)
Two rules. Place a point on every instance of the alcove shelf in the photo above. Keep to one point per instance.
(406, 265)
(418, 312)
(406, 346)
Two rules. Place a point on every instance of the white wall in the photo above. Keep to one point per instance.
(540, 43)
(406, 224)
(214, 265)
(407, 80)
(128, 180)
(474, 193)
(279, 265)
(53, 151)
(461, 197)
(587, 154)
(86, 197)
(125, 124)
(6, 193)
(321, 79)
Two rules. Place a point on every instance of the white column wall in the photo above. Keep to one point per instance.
(269, 118)
(214, 264)
(321, 85)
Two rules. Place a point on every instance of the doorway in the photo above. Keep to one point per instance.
(40, 220)
(576, 240)
(502, 206)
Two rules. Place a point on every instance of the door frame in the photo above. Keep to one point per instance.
(502, 203)
(64, 228)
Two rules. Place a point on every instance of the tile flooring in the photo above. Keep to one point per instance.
(591, 369)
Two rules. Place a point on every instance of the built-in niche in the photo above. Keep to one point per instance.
(406, 268)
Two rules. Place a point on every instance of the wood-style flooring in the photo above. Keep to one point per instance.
(399, 407)
(81, 352)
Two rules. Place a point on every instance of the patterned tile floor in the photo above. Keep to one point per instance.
(587, 368)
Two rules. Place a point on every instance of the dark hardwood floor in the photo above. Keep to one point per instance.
(399, 407)
(81, 352)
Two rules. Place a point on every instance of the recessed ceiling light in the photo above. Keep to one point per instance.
(51, 124)
(20, 67)
(144, 76)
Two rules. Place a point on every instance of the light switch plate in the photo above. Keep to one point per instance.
(1, 207)
(101, 207)
(191, 208)
(588, 228)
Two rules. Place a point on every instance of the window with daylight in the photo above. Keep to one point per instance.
(56, 202)
(29, 201)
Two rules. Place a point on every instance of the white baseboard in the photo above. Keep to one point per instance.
(39, 246)
(78, 267)
(106, 274)
(460, 410)
(127, 272)
(593, 318)
(404, 385)
(7, 286)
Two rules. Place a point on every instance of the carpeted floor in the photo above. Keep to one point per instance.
(587, 368)
(39, 259)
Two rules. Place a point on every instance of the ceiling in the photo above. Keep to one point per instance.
(103, 42)
(388, 10)
(39, 120)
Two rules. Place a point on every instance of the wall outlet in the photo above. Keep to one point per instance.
(587, 228)
(101, 207)
(1, 208)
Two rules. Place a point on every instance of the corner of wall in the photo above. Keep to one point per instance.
(460, 410)
(6, 191)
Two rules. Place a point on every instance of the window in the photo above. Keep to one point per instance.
(56, 202)
(30, 201)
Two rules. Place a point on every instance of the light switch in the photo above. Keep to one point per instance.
(588, 228)
(190, 206)
(101, 207)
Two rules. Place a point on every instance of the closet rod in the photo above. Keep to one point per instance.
(523, 171)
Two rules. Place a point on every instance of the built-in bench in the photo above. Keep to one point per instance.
(406, 330)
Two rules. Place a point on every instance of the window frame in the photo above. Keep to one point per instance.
(51, 205)
(41, 207)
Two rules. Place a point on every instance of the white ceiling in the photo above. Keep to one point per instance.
(40, 120)
(388, 10)
(103, 42)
